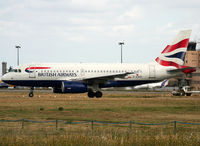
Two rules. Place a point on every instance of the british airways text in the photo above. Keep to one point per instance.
(57, 75)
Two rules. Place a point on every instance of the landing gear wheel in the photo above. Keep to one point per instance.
(98, 94)
(188, 94)
(182, 93)
(91, 94)
(31, 94)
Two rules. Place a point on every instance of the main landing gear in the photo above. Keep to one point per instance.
(31, 92)
(92, 94)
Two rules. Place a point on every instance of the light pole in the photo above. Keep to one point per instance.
(121, 43)
(17, 54)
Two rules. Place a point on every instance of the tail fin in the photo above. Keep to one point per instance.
(174, 54)
(164, 83)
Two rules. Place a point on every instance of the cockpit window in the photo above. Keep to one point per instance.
(15, 70)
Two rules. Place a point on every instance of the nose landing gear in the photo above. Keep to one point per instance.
(31, 92)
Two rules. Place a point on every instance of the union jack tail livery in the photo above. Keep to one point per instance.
(174, 54)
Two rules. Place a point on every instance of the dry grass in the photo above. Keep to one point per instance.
(96, 138)
(149, 108)
(79, 107)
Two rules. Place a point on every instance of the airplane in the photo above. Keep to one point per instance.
(90, 78)
(2, 84)
(153, 85)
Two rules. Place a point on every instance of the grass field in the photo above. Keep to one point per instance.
(146, 108)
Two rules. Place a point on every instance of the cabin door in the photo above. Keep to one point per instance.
(32, 72)
(152, 72)
(82, 72)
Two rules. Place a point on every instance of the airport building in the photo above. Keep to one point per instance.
(192, 59)
(4, 68)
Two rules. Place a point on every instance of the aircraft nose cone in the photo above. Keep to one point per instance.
(4, 78)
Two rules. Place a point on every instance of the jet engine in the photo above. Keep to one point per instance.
(73, 87)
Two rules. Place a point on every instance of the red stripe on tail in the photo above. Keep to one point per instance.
(169, 63)
(181, 44)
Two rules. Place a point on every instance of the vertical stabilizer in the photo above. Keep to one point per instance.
(174, 53)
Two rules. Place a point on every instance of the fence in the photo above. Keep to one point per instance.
(92, 122)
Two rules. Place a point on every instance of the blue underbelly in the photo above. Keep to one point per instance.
(58, 83)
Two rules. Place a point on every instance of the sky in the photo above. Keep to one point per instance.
(88, 31)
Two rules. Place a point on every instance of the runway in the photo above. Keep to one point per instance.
(104, 91)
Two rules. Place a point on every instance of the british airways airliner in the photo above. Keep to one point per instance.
(90, 78)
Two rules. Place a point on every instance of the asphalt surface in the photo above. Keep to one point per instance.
(104, 91)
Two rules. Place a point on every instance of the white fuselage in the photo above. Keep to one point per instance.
(138, 73)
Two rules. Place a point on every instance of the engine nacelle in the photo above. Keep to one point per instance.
(73, 87)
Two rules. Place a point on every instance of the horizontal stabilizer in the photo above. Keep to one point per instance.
(185, 69)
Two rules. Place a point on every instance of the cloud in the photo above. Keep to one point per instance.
(43, 24)
(13, 29)
(123, 28)
(95, 5)
(134, 13)
(165, 29)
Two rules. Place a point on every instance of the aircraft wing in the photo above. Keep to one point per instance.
(101, 78)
